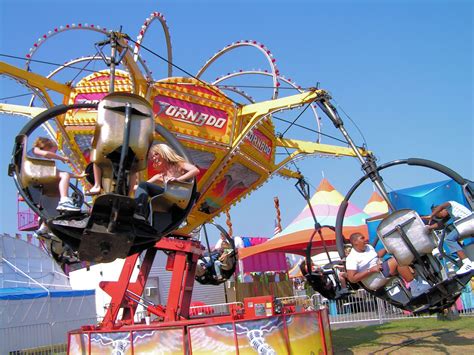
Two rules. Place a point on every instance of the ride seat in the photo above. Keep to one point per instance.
(176, 194)
(38, 172)
(170, 206)
(465, 226)
(109, 133)
(375, 281)
(405, 223)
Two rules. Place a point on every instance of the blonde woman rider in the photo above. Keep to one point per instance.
(170, 167)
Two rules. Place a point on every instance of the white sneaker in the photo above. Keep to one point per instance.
(465, 268)
(67, 205)
(41, 232)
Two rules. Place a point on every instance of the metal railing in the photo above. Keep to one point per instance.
(40, 338)
(27, 220)
(49, 338)
(220, 309)
(364, 307)
(295, 303)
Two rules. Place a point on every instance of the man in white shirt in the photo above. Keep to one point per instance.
(455, 211)
(363, 261)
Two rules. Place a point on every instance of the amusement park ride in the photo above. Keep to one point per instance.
(111, 118)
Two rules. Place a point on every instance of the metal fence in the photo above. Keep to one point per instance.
(355, 309)
(40, 338)
(364, 307)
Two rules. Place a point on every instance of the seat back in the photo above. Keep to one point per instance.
(38, 173)
(171, 205)
(410, 223)
(176, 194)
(109, 133)
(465, 226)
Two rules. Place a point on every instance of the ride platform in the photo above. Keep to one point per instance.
(259, 324)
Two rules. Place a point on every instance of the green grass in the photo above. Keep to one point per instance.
(409, 336)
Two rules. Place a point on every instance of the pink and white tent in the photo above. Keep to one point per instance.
(295, 237)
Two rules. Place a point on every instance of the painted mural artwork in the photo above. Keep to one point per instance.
(297, 334)
(237, 180)
(116, 343)
(262, 336)
(162, 342)
(84, 142)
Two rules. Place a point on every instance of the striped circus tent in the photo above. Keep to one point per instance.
(376, 205)
(295, 237)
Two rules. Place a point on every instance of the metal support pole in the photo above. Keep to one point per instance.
(124, 151)
(113, 53)
(368, 165)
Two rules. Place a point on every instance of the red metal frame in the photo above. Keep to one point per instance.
(184, 253)
(322, 330)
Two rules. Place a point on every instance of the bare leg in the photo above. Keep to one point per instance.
(97, 179)
(462, 255)
(133, 182)
(403, 271)
(342, 279)
(63, 184)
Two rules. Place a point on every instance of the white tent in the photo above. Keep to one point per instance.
(37, 305)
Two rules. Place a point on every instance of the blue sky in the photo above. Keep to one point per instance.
(402, 70)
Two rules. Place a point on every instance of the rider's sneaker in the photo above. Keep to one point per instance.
(139, 217)
(67, 205)
(465, 268)
(41, 232)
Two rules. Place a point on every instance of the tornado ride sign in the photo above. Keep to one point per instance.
(188, 107)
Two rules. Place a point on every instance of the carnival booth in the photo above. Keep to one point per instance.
(259, 275)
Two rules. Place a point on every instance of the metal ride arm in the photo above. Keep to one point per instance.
(259, 111)
(140, 81)
(368, 164)
(43, 85)
(305, 147)
(20, 110)
(40, 82)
